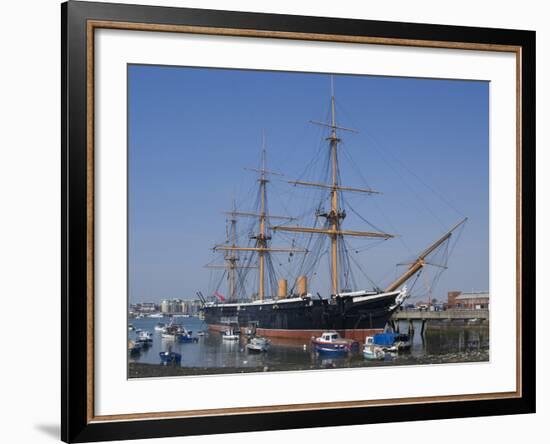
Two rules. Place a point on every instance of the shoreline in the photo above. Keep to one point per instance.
(138, 370)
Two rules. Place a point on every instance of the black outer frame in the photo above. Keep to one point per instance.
(74, 423)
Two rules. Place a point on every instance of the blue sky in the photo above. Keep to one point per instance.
(423, 143)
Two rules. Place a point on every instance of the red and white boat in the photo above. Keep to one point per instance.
(330, 342)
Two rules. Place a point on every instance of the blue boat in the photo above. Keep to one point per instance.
(330, 343)
(384, 339)
(186, 338)
(134, 348)
(391, 342)
(170, 358)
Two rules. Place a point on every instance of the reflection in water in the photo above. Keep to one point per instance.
(441, 343)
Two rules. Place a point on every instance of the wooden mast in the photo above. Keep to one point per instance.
(231, 257)
(335, 215)
(421, 259)
(262, 237)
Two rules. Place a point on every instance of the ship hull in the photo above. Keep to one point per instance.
(354, 317)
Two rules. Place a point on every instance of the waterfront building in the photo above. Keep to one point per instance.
(171, 306)
(475, 300)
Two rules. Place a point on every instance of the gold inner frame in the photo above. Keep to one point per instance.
(96, 24)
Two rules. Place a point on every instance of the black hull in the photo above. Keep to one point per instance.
(368, 311)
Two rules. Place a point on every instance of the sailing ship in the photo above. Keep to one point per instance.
(276, 311)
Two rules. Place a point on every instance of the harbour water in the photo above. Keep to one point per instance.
(441, 343)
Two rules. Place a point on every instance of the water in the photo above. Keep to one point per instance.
(442, 343)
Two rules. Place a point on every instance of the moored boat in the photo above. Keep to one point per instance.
(230, 335)
(170, 357)
(145, 338)
(172, 331)
(134, 348)
(372, 351)
(258, 344)
(330, 342)
(185, 337)
(390, 342)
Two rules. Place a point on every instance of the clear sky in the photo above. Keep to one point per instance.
(423, 143)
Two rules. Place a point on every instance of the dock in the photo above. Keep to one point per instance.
(443, 315)
(425, 315)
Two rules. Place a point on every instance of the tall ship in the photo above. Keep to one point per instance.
(278, 310)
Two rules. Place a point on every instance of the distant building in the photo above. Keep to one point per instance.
(180, 306)
(144, 307)
(171, 306)
(165, 306)
(472, 301)
(148, 307)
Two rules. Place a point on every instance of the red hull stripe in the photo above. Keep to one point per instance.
(354, 334)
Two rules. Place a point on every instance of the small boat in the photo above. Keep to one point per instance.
(403, 342)
(392, 342)
(170, 358)
(160, 326)
(156, 315)
(258, 344)
(201, 333)
(172, 331)
(145, 338)
(330, 342)
(134, 348)
(186, 337)
(138, 330)
(230, 335)
(372, 351)
(131, 327)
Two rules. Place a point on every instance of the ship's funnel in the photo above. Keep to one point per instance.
(282, 292)
(301, 285)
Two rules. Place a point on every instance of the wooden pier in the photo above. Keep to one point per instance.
(444, 315)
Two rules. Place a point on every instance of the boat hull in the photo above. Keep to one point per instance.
(353, 317)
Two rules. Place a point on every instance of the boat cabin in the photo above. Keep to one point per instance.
(330, 336)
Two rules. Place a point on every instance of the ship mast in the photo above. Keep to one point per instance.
(231, 257)
(420, 261)
(262, 238)
(335, 216)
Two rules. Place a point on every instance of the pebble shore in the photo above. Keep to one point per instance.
(141, 370)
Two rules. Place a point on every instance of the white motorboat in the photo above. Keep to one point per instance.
(258, 344)
(160, 326)
(230, 335)
(371, 350)
(145, 338)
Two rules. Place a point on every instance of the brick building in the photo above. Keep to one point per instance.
(474, 301)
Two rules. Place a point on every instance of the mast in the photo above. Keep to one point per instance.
(231, 257)
(421, 259)
(335, 216)
(262, 238)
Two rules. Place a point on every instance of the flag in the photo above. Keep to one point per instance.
(219, 296)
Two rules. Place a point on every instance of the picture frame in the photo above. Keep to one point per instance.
(80, 21)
